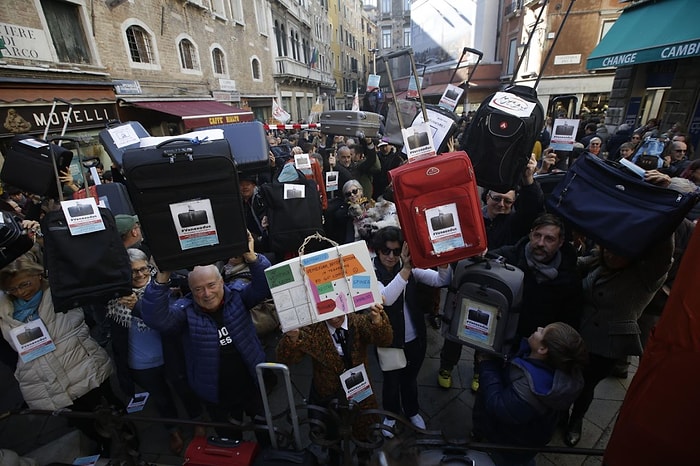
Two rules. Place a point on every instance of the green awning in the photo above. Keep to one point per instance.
(650, 32)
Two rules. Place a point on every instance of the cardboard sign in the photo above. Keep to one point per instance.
(418, 141)
(194, 223)
(82, 216)
(318, 286)
(450, 98)
(564, 134)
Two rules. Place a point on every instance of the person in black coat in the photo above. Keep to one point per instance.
(552, 285)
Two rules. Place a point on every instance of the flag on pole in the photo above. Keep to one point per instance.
(356, 102)
(279, 113)
(314, 58)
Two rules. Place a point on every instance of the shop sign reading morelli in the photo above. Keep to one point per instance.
(16, 119)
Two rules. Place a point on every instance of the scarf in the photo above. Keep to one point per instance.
(27, 310)
(123, 315)
(543, 272)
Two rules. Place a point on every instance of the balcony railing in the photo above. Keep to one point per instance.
(290, 68)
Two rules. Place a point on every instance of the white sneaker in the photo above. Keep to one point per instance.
(418, 421)
(389, 423)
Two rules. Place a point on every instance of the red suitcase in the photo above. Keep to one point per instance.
(217, 451)
(438, 204)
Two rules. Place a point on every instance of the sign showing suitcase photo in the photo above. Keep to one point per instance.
(564, 130)
(192, 218)
(80, 210)
(442, 221)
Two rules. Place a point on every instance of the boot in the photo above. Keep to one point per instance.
(573, 434)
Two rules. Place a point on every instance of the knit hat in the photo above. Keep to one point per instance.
(125, 222)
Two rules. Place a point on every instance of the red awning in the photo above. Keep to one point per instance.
(199, 113)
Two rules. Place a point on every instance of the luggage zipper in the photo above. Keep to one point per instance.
(566, 188)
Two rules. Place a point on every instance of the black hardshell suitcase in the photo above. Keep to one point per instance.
(177, 177)
(119, 137)
(348, 123)
(249, 146)
(91, 268)
(28, 165)
(117, 198)
(482, 304)
(272, 456)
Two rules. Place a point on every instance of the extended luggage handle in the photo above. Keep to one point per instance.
(187, 151)
(63, 132)
(399, 53)
(290, 400)
(77, 141)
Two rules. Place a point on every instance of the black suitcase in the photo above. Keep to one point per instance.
(119, 137)
(175, 178)
(14, 241)
(91, 268)
(349, 123)
(292, 218)
(501, 136)
(28, 165)
(249, 146)
(116, 198)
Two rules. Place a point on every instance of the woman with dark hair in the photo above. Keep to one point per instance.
(398, 279)
(519, 401)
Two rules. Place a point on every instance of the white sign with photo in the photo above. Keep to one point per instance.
(418, 141)
(302, 161)
(194, 223)
(450, 98)
(32, 340)
(294, 191)
(82, 216)
(564, 134)
(444, 228)
(331, 181)
(356, 384)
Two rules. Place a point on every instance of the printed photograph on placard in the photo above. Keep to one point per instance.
(418, 139)
(478, 322)
(302, 161)
(450, 98)
(444, 229)
(294, 191)
(82, 216)
(331, 181)
(194, 223)
(564, 134)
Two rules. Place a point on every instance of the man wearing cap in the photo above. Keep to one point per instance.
(129, 229)
(389, 158)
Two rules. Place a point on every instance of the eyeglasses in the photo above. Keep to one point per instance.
(680, 151)
(141, 271)
(498, 199)
(388, 251)
(636, 137)
(21, 287)
(595, 143)
(352, 192)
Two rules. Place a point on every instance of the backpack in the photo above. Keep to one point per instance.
(483, 302)
(501, 136)
(649, 156)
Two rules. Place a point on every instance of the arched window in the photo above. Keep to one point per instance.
(218, 61)
(140, 47)
(255, 68)
(188, 55)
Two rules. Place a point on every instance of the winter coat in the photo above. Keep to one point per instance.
(557, 300)
(200, 333)
(613, 301)
(77, 365)
(518, 402)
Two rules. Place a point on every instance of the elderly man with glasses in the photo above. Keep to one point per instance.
(676, 159)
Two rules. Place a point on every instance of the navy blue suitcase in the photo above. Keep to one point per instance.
(117, 198)
(119, 137)
(616, 208)
(249, 146)
(188, 201)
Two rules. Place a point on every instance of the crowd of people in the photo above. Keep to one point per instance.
(188, 336)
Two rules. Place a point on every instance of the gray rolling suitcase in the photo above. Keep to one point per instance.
(349, 123)
(482, 305)
(273, 456)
